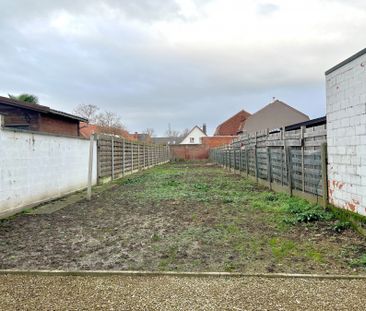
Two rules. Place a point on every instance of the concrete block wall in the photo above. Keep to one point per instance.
(35, 167)
(346, 124)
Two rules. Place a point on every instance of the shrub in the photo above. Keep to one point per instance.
(303, 212)
(340, 226)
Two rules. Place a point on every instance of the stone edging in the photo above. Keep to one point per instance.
(97, 273)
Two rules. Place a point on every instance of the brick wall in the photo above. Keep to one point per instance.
(189, 152)
(217, 141)
(199, 152)
(346, 123)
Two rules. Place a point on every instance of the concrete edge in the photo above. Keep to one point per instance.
(99, 273)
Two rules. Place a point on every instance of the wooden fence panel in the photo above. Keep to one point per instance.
(290, 159)
(118, 157)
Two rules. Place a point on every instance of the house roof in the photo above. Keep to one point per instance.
(274, 115)
(232, 125)
(38, 108)
(86, 130)
(310, 123)
(195, 127)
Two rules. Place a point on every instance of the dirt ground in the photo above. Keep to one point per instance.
(184, 217)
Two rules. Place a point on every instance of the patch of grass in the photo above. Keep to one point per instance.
(359, 262)
(314, 255)
(229, 266)
(155, 237)
(169, 257)
(201, 187)
(281, 248)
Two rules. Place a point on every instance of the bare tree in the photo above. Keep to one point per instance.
(170, 132)
(150, 131)
(110, 122)
(185, 132)
(87, 111)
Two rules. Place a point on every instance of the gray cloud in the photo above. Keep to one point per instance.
(109, 56)
(267, 8)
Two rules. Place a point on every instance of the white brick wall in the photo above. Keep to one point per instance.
(36, 167)
(346, 123)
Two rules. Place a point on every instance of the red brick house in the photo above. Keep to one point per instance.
(233, 125)
(34, 117)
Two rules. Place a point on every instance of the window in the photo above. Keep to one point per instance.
(191, 140)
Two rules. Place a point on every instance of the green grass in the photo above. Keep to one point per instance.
(231, 220)
(359, 262)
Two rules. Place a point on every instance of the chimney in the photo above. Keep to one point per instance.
(204, 128)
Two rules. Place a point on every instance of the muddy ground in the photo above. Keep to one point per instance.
(185, 217)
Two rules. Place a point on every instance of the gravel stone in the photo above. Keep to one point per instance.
(27, 292)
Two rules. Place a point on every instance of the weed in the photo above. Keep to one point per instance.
(155, 237)
(229, 267)
(341, 226)
(314, 255)
(281, 248)
(302, 211)
(201, 187)
(359, 262)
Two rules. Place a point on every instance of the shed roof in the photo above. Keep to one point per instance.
(39, 108)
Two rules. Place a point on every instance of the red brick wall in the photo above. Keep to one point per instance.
(59, 126)
(189, 152)
(199, 152)
(217, 141)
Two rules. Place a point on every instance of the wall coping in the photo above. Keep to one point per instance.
(345, 62)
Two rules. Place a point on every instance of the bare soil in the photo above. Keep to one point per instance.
(184, 217)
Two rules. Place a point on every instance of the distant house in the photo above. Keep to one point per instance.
(194, 137)
(33, 117)
(143, 137)
(86, 130)
(167, 140)
(272, 116)
(233, 125)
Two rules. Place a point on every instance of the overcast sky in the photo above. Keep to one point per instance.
(182, 62)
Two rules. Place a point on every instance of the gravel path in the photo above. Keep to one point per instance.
(19, 292)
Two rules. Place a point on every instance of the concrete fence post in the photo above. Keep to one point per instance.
(112, 153)
(90, 168)
(324, 159)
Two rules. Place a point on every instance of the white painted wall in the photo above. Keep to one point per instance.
(346, 124)
(38, 167)
(196, 134)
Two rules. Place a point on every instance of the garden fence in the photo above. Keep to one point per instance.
(118, 157)
(294, 161)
